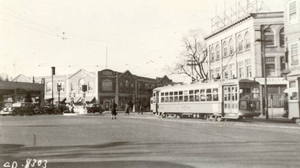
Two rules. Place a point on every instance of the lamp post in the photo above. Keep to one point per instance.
(58, 89)
(53, 73)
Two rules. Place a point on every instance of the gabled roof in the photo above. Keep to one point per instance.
(126, 73)
(163, 78)
(21, 78)
(82, 70)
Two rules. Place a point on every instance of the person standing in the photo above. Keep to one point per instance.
(127, 109)
(113, 110)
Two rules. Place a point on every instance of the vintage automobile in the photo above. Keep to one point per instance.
(50, 109)
(23, 108)
(92, 108)
(6, 109)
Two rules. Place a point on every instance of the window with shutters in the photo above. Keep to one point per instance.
(292, 13)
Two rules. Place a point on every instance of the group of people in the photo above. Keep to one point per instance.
(128, 108)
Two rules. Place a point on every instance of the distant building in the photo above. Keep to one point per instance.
(102, 87)
(18, 91)
(292, 33)
(238, 49)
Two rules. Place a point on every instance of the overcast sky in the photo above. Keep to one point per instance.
(142, 36)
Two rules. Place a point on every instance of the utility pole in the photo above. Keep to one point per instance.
(53, 73)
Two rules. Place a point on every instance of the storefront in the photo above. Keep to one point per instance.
(21, 92)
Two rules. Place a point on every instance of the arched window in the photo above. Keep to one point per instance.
(90, 86)
(212, 53)
(49, 87)
(217, 52)
(240, 43)
(121, 86)
(281, 36)
(80, 83)
(127, 85)
(132, 87)
(62, 84)
(269, 37)
(72, 86)
(107, 85)
(247, 41)
(225, 49)
(231, 49)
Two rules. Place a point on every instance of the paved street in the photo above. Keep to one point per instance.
(146, 141)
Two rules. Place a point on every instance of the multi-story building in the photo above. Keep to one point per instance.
(102, 87)
(292, 34)
(243, 48)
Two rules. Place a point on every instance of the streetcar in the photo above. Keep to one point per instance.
(231, 99)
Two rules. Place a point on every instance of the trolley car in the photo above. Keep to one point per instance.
(232, 99)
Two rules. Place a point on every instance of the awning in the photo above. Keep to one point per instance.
(90, 99)
(49, 99)
(74, 99)
(63, 99)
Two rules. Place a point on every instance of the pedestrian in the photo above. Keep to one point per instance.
(72, 108)
(141, 108)
(286, 105)
(127, 108)
(113, 110)
(130, 106)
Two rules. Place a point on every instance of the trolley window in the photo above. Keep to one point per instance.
(215, 95)
(186, 98)
(197, 98)
(202, 94)
(180, 96)
(171, 96)
(191, 93)
(208, 95)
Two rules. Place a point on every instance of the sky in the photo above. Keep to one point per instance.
(142, 36)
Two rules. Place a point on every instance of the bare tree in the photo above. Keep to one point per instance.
(192, 61)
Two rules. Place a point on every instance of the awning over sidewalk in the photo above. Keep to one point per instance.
(90, 99)
(74, 99)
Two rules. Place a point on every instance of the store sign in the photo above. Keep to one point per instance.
(272, 81)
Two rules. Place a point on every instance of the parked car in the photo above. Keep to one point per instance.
(23, 108)
(6, 109)
(49, 109)
(92, 108)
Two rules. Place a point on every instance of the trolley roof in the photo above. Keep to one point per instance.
(205, 85)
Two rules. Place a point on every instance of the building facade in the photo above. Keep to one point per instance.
(245, 47)
(18, 91)
(292, 33)
(102, 87)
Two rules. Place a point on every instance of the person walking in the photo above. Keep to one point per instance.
(141, 108)
(130, 106)
(127, 108)
(113, 110)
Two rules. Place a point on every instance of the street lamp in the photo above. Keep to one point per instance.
(58, 89)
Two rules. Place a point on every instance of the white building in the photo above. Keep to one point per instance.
(238, 49)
